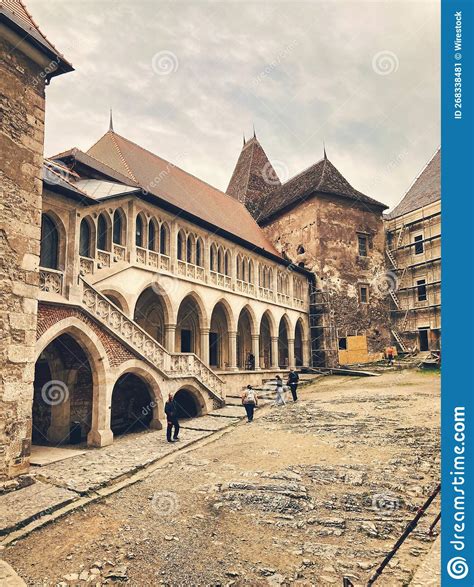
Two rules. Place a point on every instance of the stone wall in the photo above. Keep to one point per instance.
(322, 234)
(21, 144)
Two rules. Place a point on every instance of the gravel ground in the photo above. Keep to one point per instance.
(306, 494)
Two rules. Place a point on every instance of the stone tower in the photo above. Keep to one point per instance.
(28, 62)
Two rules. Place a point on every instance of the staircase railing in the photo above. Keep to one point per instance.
(170, 364)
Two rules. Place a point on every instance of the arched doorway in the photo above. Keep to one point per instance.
(188, 326)
(299, 343)
(283, 357)
(266, 342)
(188, 404)
(62, 394)
(132, 405)
(151, 314)
(244, 341)
(219, 337)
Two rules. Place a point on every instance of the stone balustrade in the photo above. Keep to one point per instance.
(51, 281)
(171, 364)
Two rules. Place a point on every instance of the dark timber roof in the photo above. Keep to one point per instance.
(253, 178)
(320, 178)
(16, 16)
(425, 190)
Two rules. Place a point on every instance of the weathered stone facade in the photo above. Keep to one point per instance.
(321, 233)
(24, 68)
(20, 224)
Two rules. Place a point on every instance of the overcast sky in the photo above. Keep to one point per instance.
(186, 79)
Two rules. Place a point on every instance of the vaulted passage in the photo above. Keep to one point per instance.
(62, 399)
(265, 342)
(188, 327)
(283, 344)
(219, 338)
(132, 405)
(150, 314)
(188, 405)
(245, 358)
(299, 344)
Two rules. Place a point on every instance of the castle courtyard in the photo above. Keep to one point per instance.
(307, 494)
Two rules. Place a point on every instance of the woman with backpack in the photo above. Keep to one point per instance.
(249, 401)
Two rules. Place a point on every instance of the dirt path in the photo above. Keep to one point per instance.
(304, 495)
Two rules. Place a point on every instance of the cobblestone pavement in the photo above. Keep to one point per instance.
(61, 482)
(305, 495)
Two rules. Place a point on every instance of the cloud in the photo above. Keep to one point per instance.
(303, 72)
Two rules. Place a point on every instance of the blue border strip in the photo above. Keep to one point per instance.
(457, 193)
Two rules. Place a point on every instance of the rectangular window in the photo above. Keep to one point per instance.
(343, 344)
(421, 290)
(364, 294)
(363, 241)
(419, 246)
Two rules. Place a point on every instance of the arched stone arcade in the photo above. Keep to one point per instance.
(63, 396)
(132, 405)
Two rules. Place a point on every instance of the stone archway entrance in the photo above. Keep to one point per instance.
(132, 405)
(188, 404)
(151, 314)
(299, 357)
(265, 342)
(188, 327)
(219, 338)
(244, 341)
(63, 394)
(283, 356)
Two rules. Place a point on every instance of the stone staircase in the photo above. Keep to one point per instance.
(170, 365)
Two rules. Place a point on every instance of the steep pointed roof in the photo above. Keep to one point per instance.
(179, 188)
(16, 16)
(253, 176)
(425, 190)
(323, 178)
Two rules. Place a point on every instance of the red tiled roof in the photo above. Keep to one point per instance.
(17, 15)
(179, 188)
(425, 190)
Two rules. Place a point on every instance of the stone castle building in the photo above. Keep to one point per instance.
(125, 278)
(320, 222)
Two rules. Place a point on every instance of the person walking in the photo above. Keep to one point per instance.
(390, 355)
(280, 393)
(171, 411)
(293, 379)
(249, 401)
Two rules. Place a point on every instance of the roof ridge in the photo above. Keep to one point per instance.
(122, 156)
(324, 160)
(252, 144)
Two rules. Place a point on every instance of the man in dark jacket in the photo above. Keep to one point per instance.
(293, 379)
(171, 411)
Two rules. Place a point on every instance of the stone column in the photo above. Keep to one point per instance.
(256, 349)
(205, 345)
(233, 351)
(170, 337)
(291, 353)
(101, 434)
(274, 361)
